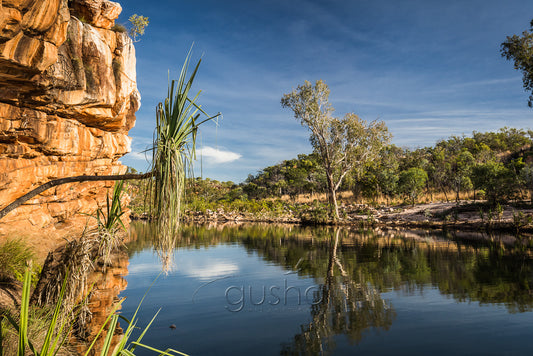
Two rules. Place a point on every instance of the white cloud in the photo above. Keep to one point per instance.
(143, 156)
(214, 155)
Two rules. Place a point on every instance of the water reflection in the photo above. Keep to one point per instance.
(406, 261)
(354, 268)
(106, 284)
(346, 304)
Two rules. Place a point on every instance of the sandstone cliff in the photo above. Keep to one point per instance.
(68, 98)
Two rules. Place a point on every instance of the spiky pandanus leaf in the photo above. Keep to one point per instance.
(177, 121)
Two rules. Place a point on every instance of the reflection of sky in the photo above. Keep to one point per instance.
(426, 322)
(192, 296)
(206, 270)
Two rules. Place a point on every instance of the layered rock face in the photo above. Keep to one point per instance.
(68, 98)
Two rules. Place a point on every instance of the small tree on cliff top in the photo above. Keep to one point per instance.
(138, 24)
(343, 144)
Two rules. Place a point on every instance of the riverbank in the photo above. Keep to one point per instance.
(465, 215)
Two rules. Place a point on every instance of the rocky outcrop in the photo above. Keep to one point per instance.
(68, 98)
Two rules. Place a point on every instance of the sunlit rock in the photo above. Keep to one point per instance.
(68, 98)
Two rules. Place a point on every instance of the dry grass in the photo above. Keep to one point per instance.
(347, 197)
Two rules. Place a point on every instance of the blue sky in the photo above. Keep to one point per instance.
(429, 69)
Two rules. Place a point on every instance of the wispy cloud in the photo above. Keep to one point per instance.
(215, 155)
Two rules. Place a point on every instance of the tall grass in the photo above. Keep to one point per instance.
(177, 121)
(48, 333)
(109, 224)
(56, 331)
(14, 255)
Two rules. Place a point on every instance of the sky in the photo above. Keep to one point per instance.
(429, 69)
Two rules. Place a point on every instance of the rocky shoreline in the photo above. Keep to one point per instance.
(467, 216)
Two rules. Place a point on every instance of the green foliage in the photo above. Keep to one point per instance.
(519, 49)
(111, 220)
(412, 182)
(174, 142)
(108, 224)
(173, 151)
(295, 176)
(138, 25)
(526, 178)
(57, 329)
(14, 256)
(496, 180)
(380, 176)
(315, 214)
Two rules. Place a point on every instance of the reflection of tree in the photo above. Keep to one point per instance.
(344, 305)
(485, 272)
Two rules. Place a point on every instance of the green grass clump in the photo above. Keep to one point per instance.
(44, 332)
(14, 256)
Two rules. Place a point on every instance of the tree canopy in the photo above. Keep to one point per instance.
(520, 50)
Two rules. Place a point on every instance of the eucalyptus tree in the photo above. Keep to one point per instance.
(342, 144)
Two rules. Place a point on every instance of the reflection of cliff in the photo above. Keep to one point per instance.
(68, 97)
(106, 287)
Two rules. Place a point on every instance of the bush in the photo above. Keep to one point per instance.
(317, 213)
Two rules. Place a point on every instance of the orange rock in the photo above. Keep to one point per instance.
(68, 97)
(41, 16)
(98, 13)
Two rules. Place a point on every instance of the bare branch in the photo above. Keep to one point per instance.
(60, 181)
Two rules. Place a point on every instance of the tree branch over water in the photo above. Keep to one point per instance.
(60, 181)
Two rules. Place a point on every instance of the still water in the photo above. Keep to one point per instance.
(267, 290)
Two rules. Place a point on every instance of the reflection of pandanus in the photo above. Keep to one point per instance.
(164, 244)
(343, 306)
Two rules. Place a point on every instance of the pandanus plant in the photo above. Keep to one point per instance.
(177, 122)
